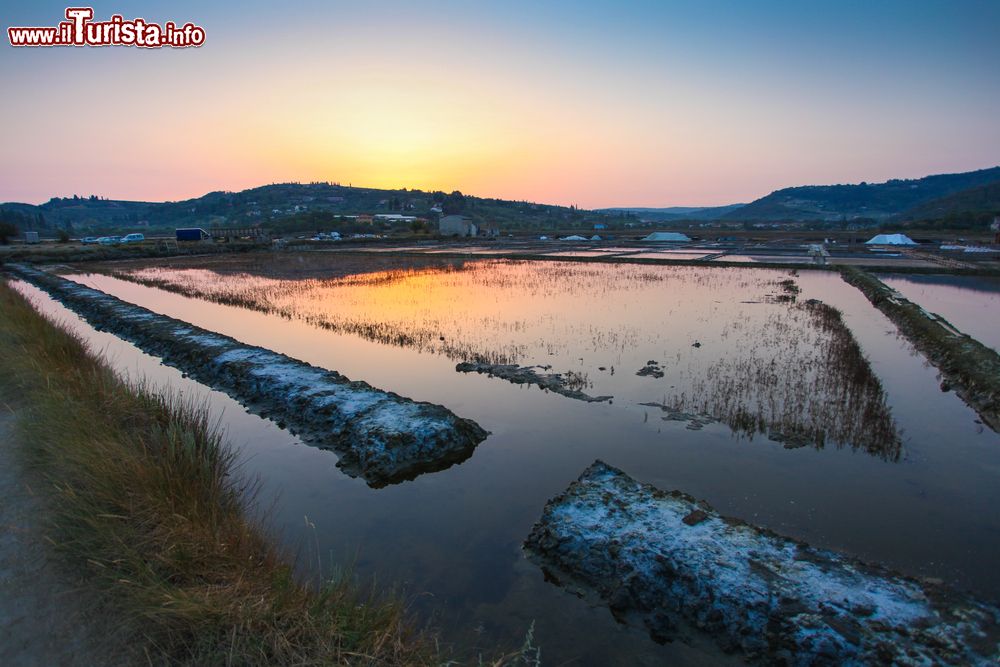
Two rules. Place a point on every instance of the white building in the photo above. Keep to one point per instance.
(890, 239)
(395, 217)
(674, 237)
(457, 225)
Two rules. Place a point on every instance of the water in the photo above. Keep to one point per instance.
(921, 498)
(970, 303)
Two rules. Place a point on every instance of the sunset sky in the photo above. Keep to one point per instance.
(588, 103)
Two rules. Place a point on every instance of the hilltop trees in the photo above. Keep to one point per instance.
(7, 230)
(12, 221)
(453, 204)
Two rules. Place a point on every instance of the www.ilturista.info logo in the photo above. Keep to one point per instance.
(80, 30)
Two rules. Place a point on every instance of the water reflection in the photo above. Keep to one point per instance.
(732, 345)
(970, 303)
(804, 381)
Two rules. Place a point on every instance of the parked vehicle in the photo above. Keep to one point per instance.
(87, 240)
(134, 237)
(109, 240)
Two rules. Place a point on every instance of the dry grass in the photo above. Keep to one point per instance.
(145, 501)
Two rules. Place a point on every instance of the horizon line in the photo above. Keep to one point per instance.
(567, 205)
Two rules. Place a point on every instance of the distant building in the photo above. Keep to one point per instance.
(395, 217)
(672, 237)
(457, 225)
(890, 239)
(600, 225)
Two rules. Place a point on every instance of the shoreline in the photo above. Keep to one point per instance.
(967, 366)
(145, 505)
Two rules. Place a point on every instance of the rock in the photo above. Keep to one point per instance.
(651, 369)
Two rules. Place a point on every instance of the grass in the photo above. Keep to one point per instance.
(145, 501)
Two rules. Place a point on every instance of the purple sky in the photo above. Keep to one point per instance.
(588, 103)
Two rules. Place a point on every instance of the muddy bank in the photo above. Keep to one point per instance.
(568, 385)
(967, 366)
(673, 564)
(379, 436)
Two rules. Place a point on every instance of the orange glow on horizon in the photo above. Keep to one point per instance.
(524, 103)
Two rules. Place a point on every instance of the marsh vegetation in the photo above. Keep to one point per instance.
(888, 458)
(770, 365)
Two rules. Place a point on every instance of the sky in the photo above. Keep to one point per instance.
(591, 103)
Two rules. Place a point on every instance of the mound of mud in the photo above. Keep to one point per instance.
(676, 565)
(378, 435)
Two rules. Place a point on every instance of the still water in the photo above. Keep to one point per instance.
(970, 303)
(888, 468)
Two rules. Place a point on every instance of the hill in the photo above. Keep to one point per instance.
(872, 201)
(292, 206)
(956, 199)
(972, 206)
(676, 213)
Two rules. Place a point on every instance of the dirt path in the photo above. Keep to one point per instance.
(46, 618)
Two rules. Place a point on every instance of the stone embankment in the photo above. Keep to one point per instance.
(378, 435)
(675, 565)
(966, 365)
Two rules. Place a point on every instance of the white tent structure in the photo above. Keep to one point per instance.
(890, 239)
(676, 237)
(574, 237)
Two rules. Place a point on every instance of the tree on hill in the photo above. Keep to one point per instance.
(454, 203)
(12, 221)
(7, 230)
